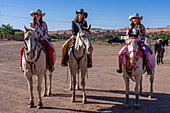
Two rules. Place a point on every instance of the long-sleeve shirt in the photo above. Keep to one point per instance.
(44, 28)
(76, 27)
(135, 32)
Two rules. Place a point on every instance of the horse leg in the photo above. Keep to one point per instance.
(157, 59)
(138, 79)
(162, 55)
(40, 78)
(151, 85)
(83, 73)
(30, 87)
(73, 74)
(50, 75)
(71, 88)
(127, 91)
(45, 81)
(140, 92)
(77, 84)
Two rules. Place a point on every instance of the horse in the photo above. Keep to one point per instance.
(78, 59)
(160, 50)
(132, 61)
(34, 63)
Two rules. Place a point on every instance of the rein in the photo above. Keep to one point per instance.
(128, 66)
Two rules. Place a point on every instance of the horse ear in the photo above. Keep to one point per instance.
(36, 29)
(25, 29)
(81, 29)
(89, 27)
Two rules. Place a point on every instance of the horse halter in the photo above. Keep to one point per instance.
(33, 50)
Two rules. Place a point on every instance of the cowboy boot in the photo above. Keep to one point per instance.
(64, 59)
(119, 70)
(89, 60)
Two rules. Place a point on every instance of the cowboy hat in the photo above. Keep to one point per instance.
(38, 11)
(82, 11)
(135, 15)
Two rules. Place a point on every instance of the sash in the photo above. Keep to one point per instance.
(40, 31)
(77, 24)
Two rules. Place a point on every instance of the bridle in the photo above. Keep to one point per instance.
(38, 55)
(128, 66)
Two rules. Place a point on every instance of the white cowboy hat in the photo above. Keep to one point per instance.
(38, 11)
(136, 15)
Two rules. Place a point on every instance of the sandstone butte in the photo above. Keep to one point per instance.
(110, 31)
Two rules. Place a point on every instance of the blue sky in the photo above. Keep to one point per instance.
(105, 14)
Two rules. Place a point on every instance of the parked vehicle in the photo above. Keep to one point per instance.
(112, 40)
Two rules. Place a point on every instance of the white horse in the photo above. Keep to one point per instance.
(34, 63)
(134, 69)
(78, 59)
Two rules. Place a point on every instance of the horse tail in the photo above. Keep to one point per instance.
(67, 75)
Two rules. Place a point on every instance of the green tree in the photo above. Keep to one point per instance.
(7, 29)
(19, 33)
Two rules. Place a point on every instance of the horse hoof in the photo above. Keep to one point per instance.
(73, 100)
(84, 101)
(50, 93)
(45, 95)
(39, 105)
(137, 106)
(125, 105)
(31, 104)
(78, 88)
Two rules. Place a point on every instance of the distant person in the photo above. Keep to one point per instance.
(79, 19)
(161, 44)
(42, 35)
(136, 29)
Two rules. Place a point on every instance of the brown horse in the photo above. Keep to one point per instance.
(159, 49)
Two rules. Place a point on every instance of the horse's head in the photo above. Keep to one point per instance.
(84, 38)
(133, 49)
(30, 39)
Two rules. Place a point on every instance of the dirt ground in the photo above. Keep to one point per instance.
(105, 88)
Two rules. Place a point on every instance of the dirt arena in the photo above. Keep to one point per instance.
(105, 88)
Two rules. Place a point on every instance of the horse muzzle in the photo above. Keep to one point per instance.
(30, 54)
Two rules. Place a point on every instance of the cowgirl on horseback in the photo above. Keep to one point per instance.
(79, 19)
(42, 35)
(137, 30)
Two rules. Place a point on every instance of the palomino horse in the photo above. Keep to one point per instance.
(133, 68)
(78, 59)
(34, 63)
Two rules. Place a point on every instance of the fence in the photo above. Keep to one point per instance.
(11, 37)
